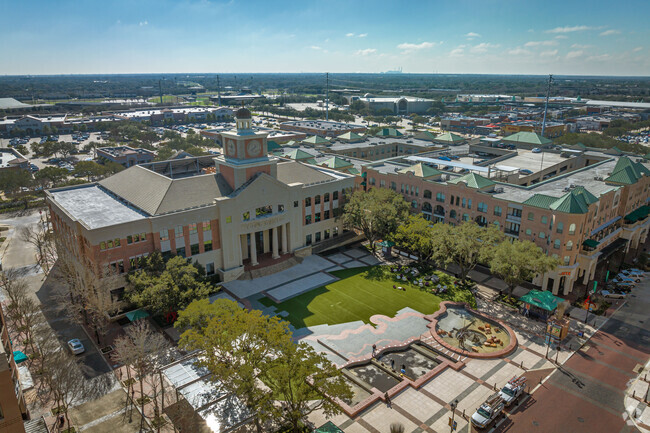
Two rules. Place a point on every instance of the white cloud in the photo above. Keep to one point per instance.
(315, 47)
(483, 47)
(408, 47)
(561, 37)
(366, 52)
(574, 54)
(458, 51)
(518, 52)
(143, 23)
(540, 43)
(637, 49)
(472, 35)
(549, 53)
(349, 35)
(610, 32)
(569, 29)
(363, 35)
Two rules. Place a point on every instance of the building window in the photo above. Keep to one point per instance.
(129, 239)
(164, 235)
(393, 186)
(178, 230)
(482, 207)
(209, 268)
(544, 219)
(417, 191)
(402, 188)
(246, 216)
(295, 203)
(194, 249)
(382, 183)
(317, 199)
(542, 235)
(469, 203)
(326, 216)
(452, 214)
(572, 229)
(497, 210)
(414, 204)
(102, 246)
(228, 220)
(326, 197)
(464, 202)
(264, 210)
(308, 240)
(180, 251)
(336, 231)
(206, 226)
(192, 228)
(559, 228)
(531, 216)
(567, 260)
(569, 245)
(327, 234)
(207, 246)
(307, 201)
(465, 217)
(529, 232)
(427, 193)
(317, 217)
(307, 220)
(556, 244)
(280, 208)
(440, 197)
(372, 181)
(317, 239)
(335, 195)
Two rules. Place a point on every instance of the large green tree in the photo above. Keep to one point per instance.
(465, 245)
(416, 235)
(377, 213)
(165, 287)
(519, 261)
(51, 176)
(12, 180)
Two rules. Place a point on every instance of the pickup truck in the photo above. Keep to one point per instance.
(488, 411)
(512, 390)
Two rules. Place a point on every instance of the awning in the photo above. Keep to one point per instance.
(136, 315)
(328, 427)
(604, 226)
(542, 299)
(386, 244)
(591, 243)
(637, 214)
(364, 174)
(19, 357)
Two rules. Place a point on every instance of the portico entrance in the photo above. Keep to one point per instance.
(273, 242)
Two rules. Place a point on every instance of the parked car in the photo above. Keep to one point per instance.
(76, 347)
(536, 150)
(613, 295)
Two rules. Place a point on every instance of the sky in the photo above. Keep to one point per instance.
(568, 37)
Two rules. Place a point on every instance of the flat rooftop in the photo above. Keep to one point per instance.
(104, 209)
(322, 125)
(534, 162)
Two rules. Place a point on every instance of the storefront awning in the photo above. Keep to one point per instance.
(637, 214)
(591, 243)
(136, 315)
(542, 299)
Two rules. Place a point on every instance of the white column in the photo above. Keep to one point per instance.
(274, 242)
(253, 250)
(285, 227)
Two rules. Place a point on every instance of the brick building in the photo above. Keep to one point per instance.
(12, 402)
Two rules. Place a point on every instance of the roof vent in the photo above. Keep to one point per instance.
(498, 190)
(598, 178)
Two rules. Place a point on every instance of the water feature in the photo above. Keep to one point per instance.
(358, 393)
(375, 376)
(417, 364)
(463, 329)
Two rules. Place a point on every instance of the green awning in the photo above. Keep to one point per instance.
(328, 427)
(591, 243)
(364, 174)
(637, 214)
(19, 357)
(542, 299)
(136, 315)
(386, 244)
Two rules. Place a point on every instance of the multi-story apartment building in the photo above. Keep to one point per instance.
(12, 403)
(582, 216)
(231, 213)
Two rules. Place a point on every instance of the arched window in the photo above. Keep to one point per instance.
(439, 210)
(326, 197)
(414, 204)
(452, 214)
(427, 193)
(569, 245)
(426, 207)
(572, 229)
(560, 227)
(465, 217)
(480, 220)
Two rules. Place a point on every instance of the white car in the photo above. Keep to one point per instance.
(612, 295)
(76, 347)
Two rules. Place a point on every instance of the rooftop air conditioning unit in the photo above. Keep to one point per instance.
(498, 190)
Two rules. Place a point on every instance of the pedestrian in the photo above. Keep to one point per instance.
(374, 350)
(403, 370)
(392, 364)
(61, 421)
(388, 402)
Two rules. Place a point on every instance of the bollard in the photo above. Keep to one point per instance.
(463, 413)
(556, 354)
(633, 394)
(521, 364)
(495, 386)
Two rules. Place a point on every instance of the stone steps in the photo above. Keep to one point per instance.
(272, 269)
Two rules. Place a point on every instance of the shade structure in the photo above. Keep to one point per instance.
(328, 427)
(591, 243)
(542, 299)
(136, 315)
(386, 244)
(19, 357)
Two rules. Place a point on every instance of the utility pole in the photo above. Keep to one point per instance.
(160, 90)
(219, 90)
(548, 94)
(327, 96)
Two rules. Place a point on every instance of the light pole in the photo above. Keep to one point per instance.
(453, 405)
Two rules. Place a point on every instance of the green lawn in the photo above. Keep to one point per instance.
(359, 294)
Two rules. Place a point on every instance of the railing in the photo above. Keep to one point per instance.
(511, 232)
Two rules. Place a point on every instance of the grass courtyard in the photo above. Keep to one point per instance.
(359, 294)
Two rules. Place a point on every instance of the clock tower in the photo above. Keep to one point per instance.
(245, 152)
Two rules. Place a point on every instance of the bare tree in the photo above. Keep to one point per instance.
(23, 312)
(42, 239)
(142, 350)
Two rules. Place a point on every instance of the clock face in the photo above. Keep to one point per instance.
(254, 148)
(231, 147)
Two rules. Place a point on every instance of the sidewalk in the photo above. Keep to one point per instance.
(636, 400)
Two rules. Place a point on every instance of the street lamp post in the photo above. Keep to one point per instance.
(453, 413)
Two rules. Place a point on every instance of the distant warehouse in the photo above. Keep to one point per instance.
(397, 105)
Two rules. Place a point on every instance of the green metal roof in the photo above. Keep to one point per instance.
(272, 145)
(449, 137)
(353, 171)
(328, 427)
(389, 132)
(591, 243)
(350, 136)
(298, 154)
(588, 197)
(570, 203)
(625, 176)
(541, 200)
(473, 180)
(542, 299)
(425, 135)
(527, 137)
(336, 162)
(421, 170)
(315, 139)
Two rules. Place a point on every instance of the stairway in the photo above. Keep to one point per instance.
(271, 269)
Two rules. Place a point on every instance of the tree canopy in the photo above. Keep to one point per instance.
(417, 236)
